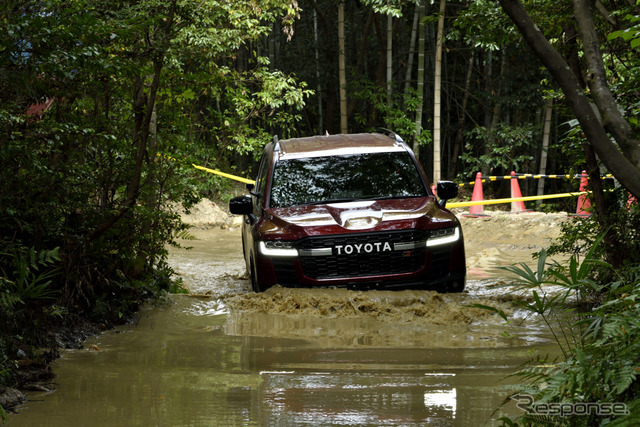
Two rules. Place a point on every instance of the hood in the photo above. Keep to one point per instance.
(363, 215)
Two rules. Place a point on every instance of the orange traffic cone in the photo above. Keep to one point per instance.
(477, 210)
(516, 194)
(583, 200)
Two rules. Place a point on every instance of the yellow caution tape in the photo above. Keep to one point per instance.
(516, 199)
(226, 175)
(217, 172)
(527, 176)
(449, 205)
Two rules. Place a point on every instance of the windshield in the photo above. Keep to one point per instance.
(317, 180)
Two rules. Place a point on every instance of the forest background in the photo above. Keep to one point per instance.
(105, 104)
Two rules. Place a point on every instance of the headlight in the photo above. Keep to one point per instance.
(277, 248)
(443, 236)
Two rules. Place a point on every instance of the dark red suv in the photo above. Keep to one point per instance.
(349, 210)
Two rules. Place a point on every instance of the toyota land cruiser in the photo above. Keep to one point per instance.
(349, 210)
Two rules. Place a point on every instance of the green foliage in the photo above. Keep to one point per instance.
(122, 81)
(27, 285)
(258, 104)
(544, 304)
(22, 280)
(74, 178)
(579, 234)
(482, 25)
(604, 368)
(630, 34)
(506, 147)
(386, 7)
(397, 115)
(600, 345)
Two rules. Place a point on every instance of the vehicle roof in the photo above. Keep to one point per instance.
(338, 145)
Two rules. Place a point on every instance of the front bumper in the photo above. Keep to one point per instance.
(410, 267)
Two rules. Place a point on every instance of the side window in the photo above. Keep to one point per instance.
(261, 179)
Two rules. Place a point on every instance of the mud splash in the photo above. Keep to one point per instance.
(385, 306)
(340, 318)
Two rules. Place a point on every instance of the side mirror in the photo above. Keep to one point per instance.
(446, 190)
(241, 205)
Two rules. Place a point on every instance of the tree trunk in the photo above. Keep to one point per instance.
(331, 98)
(342, 70)
(497, 112)
(612, 118)
(361, 57)
(488, 89)
(612, 247)
(144, 104)
(546, 132)
(319, 88)
(389, 58)
(623, 164)
(149, 200)
(420, 85)
(573, 57)
(437, 157)
(458, 145)
(412, 47)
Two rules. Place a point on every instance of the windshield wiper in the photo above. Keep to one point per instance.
(329, 201)
(363, 199)
(410, 196)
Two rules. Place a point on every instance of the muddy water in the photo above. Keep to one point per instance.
(226, 356)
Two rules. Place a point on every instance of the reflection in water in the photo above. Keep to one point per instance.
(368, 399)
(444, 399)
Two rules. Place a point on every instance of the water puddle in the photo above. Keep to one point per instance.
(226, 356)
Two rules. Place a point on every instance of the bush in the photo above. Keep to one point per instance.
(601, 341)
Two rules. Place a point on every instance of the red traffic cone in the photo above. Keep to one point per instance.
(516, 194)
(583, 200)
(477, 210)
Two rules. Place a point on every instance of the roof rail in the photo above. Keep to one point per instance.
(276, 143)
(390, 134)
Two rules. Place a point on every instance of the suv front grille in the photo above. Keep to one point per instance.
(347, 262)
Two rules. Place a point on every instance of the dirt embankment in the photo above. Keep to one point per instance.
(503, 239)
(526, 230)
(207, 214)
